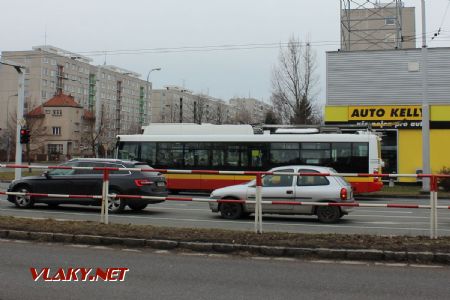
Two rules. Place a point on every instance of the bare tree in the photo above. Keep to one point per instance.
(38, 135)
(219, 114)
(92, 138)
(243, 116)
(199, 109)
(8, 138)
(293, 84)
(271, 118)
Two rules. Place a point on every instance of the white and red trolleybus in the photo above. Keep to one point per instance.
(236, 147)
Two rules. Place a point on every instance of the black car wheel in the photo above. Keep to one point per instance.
(137, 206)
(23, 201)
(231, 211)
(328, 214)
(115, 205)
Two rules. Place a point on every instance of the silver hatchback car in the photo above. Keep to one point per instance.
(289, 188)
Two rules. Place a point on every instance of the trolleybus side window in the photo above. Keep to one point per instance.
(284, 153)
(129, 150)
(315, 153)
(218, 155)
(237, 156)
(196, 155)
(360, 157)
(148, 153)
(169, 154)
(341, 155)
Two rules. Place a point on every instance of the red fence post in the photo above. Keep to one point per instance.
(105, 199)
(433, 206)
(258, 205)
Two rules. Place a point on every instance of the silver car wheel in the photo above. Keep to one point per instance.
(115, 205)
(23, 201)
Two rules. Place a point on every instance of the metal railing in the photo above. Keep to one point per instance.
(258, 202)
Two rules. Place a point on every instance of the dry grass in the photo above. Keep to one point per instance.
(351, 241)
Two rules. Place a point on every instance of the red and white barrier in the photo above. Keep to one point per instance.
(258, 200)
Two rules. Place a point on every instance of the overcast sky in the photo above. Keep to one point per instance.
(142, 26)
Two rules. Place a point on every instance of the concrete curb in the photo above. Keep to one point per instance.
(275, 251)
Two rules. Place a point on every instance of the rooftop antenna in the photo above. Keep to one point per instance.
(104, 62)
(380, 27)
(45, 35)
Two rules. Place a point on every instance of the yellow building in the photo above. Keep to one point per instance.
(401, 129)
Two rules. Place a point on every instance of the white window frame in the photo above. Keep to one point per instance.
(56, 130)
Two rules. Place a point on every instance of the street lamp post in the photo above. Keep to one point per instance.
(425, 107)
(19, 122)
(148, 78)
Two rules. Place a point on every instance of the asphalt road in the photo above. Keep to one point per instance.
(383, 221)
(165, 275)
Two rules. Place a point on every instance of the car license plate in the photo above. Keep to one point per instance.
(160, 183)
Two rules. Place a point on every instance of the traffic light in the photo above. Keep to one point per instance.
(24, 136)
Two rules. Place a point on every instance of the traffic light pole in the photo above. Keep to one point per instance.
(20, 104)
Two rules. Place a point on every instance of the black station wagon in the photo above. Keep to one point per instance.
(89, 182)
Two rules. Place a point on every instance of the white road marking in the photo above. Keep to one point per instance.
(193, 254)
(390, 264)
(78, 245)
(131, 250)
(260, 258)
(218, 255)
(102, 248)
(284, 259)
(426, 266)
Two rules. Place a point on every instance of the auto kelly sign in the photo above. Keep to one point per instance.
(385, 113)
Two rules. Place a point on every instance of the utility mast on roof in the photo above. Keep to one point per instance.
(376, 25)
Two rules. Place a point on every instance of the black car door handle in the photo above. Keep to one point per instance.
(289, 192)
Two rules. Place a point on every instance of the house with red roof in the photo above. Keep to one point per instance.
(60, 128)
